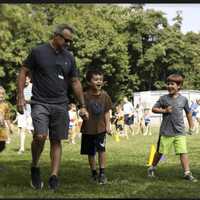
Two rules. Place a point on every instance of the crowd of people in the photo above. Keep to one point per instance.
(128, 120)
(45, 112)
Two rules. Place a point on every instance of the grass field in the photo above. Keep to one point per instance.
(126, 172)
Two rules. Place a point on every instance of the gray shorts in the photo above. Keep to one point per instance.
(50, 119)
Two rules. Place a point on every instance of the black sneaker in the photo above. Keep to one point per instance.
(102, 179)
(189, 177)
(53, 182)
(94, 177)
(36, 182)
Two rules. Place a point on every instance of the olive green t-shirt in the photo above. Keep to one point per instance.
(97, 106)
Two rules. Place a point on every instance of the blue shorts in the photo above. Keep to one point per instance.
(194, 114)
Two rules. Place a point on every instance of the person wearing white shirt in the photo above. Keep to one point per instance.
(197, 117)
(128, 110)
(24, 121)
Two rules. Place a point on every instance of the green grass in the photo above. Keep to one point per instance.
(126, 171)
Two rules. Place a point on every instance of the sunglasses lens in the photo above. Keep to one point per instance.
(66, 40)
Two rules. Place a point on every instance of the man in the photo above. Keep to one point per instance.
(52, 68)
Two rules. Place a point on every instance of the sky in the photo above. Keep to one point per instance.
(190, 14)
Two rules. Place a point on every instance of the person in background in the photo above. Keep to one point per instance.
(128, 110)
(147, 122)
(197, 117)
(79, 124)
(119, 120)
(194, 109)
(73, 122)
(139, 122)
(5, 124)
(24, 121)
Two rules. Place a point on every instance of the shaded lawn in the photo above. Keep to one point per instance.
(126, 171)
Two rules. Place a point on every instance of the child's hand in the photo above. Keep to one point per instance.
(110, 134)
(168, 109)
(191, 131)
(108, 130)
(84, 114)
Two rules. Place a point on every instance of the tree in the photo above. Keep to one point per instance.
(136, 49)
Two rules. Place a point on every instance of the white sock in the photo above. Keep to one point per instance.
(22, 139)
(186, 172)
(152, 167)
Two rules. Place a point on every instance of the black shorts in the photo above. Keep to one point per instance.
(146, 123)
(119, 127)
(128, 120)
(90, 144)
(52, 119)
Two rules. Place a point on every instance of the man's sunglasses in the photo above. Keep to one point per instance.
(66, 40)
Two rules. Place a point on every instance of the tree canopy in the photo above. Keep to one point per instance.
(136, 49)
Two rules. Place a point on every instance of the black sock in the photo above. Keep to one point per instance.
(94, 172)
(101, 171)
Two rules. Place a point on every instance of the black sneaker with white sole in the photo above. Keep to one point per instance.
(151, 172)
(102, 179)
(94, 177)
(190, 177)
(36, 182)
(53, 182)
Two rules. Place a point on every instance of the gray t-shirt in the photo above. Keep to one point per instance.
(173, 123)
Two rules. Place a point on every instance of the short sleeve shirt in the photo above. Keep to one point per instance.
(97, 106)
(51, 72)
(72, 118)
(173, 123)
(28, 92)
(128, 108)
